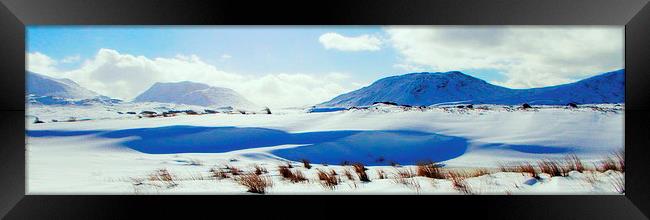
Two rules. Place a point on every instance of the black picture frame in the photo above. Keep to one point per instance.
(634, 14)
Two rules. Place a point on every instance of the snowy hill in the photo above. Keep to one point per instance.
(47, 90)
(41, 85)
(449, 87)
(192, 93)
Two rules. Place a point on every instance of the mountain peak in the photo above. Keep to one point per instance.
(193, 93)
(42, 85)
(427, 88)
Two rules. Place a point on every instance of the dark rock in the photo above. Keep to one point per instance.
(208, 111)
(385, 103)
(148, 113)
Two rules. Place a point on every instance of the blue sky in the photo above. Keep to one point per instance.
(254, 51)
(344, 58)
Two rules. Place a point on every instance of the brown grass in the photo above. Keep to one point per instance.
(285, 172)
(405, 177)
(259, 170)
(298, 177)
(575, 163)
(233, 170)
(348, 174)
(361, 172)
(219, 173)
(381, 174)
(409, 182)
(305, 163)
(164, 176)
(293, 176)
(615, 162)
(479, 172)
(553, 168)
(328, 179)
(255, 183)
(525, 168)
(404, 173)
(459, 183)
(429, 169)
(620, 156)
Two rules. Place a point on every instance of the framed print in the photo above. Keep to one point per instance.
(163, 102)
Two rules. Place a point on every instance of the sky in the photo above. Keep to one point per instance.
(287, 66)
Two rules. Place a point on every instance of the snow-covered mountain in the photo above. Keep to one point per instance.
(192, 93)
(43, 89)
(41, 85)
(456, 87)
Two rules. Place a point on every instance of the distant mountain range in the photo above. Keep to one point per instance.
(456, 87)
(192, 93)
(47, 90)
(410, 89)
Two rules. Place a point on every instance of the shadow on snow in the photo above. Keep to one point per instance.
(331, 147)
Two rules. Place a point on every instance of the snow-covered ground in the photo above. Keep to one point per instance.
(114, 153)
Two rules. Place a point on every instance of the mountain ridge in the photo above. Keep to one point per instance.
(428, 88)
(193, 93)
(42, 89)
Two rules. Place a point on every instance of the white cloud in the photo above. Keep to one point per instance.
(40, 63)
(125, 76)
(409, 67)
(359, 43)
(71, 59)
(528, 56)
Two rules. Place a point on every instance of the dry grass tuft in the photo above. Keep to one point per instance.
(381, 174)
(361, 172)
(164, 176)
(616, 163)
(429, 169)
(476, 172)
(293, 176)
(285, 172)
(305, 163)
(328, 179)
(233, 170)
(348, 174)
(405, 177)
(298, 177)
(575, 163)
(255, 183)
(620, 156)
(553, 168)
(525, 168)
(404, 173)
(259, 170)
(219, 173)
